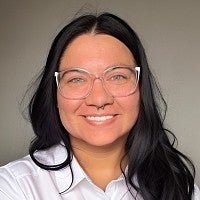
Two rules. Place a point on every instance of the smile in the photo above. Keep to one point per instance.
(99, 118)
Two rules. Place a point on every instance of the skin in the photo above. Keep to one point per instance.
(98, 145)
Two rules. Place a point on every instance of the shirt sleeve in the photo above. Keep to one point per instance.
(196, 195)
(9, 187)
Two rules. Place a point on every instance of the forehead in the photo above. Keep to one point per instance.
(99, 50)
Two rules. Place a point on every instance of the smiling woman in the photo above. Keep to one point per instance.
(98, 125)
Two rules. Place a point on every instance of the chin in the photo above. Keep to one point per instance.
(106, 141)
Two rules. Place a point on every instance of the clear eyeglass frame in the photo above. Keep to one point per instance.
(81, 94)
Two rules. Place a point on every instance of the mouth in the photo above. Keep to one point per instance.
(99, 118)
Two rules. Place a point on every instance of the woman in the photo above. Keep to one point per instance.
(98, 124)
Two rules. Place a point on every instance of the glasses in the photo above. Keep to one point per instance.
(117, 81)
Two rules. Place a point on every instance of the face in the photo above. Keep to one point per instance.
(83, 120)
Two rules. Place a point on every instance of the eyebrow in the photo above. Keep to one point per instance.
(110, 66)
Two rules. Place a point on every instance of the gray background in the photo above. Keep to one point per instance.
(170, 31)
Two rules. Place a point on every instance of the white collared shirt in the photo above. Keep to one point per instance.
(23, 180)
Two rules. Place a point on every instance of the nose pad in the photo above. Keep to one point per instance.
(99, 96)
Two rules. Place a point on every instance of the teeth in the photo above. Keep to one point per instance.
(99, 118)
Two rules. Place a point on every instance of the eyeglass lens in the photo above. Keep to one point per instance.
(117, 81)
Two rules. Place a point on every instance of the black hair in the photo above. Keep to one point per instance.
(162, 171)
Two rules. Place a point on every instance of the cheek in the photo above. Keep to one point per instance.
(134, 104)
(131, 107)
(63, 105)
(67, 109)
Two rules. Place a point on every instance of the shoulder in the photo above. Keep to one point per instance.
(196, 195)
(10, 175)
(23, 175)
(20, 167)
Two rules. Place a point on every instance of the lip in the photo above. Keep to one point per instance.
(103, 119)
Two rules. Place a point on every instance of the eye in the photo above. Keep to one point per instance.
(74, 77)
(75, 80)
(118, 77)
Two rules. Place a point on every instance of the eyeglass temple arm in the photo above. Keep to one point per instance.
(56, 75)
(138, 74)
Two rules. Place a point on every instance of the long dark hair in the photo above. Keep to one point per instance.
(162, 171)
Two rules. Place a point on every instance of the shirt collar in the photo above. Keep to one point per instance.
(63, 177)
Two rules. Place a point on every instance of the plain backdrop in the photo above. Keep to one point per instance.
(169, 30)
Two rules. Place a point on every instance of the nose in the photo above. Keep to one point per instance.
(98, 96)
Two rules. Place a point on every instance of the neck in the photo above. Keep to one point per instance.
(101, 162)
